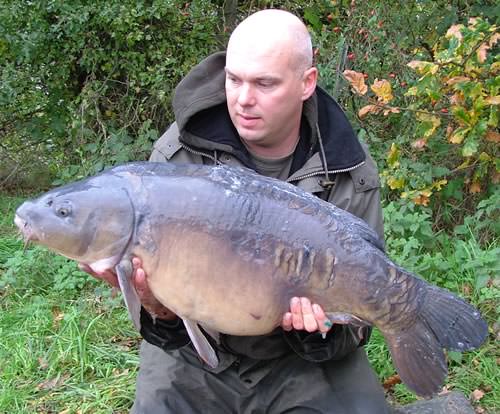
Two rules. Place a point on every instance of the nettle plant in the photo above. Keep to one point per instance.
(454, 104)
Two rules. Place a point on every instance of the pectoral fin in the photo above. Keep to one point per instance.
(346, 318)
(124, 271)
(201, 344)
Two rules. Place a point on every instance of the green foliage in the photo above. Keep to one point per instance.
(84, 85)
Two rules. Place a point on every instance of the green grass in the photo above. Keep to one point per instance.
(66, 343)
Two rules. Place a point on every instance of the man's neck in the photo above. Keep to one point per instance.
(280, 150)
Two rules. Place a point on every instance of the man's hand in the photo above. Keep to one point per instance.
(305, 316)
(139, 280)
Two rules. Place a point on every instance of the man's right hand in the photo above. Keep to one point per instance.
(139, 280)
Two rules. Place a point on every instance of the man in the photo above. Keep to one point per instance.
(259, 107)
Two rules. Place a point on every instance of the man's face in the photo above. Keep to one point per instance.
(264, 95)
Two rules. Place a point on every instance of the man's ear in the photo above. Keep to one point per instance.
(309, 82)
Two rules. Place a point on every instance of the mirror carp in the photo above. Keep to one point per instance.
(226, 249)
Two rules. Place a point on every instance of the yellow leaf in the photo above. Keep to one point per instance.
(493, 100)
(435, 121)
(484, 157)
(481, 52)
(383, 90)
(368, 109)
(439, 184)
(356, 80)
(412, 91)
(495, 68)
(393, 156)
(395, 183)
(458, 136)
(493, 136)
(457, 79)
(423, 67)
(454, 31)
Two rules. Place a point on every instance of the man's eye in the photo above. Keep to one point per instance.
(265, 84)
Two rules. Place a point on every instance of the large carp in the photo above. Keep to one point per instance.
(227, 249)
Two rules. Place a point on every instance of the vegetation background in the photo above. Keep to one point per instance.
(86, 85)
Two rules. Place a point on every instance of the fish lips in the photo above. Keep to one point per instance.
(25, 229)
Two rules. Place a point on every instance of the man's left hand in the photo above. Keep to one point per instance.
(305, 316)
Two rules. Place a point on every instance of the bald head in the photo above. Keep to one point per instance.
(274, 32)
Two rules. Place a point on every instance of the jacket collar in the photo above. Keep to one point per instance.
(201, 113)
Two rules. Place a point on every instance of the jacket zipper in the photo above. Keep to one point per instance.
(322, 172)
(200, 153)
(301, 177)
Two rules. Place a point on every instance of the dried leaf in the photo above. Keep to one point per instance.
(368, 109)
(475, 187)
(391, 110)
(494, 39)
(383, 90)
(493, 100)
(42, 362)
(477, 395)
(457, 79)
(419, 143)
(454, 31)
(390, 382)
(457, 99)
(50, 384)
(482, 52)
(495, 178)
(357, 81)
(492, 136)
(423, 198)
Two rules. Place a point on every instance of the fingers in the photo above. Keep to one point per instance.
(108, 275)
(305, 316)
(148, 300)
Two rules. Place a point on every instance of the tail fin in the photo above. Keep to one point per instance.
(444, 321)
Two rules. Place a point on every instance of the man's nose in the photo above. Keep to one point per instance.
(246, 95)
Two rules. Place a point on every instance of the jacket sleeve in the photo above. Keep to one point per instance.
(167, 335)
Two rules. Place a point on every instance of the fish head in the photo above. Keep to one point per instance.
(89, 221)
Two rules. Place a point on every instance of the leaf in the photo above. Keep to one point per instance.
(457, 79)
(357, 81)
(419, 143)
(390, 382)
(423, 67)
(475, 187)
(369, 109)
(391, 110)
(492, 136)
(477, 395)
(493, 40)
(454, 31)
(481, 52)
(393, 156)
(493, 100)
(383, 90)
(457, 99)
(395, 183)
(458, 136)
(430, 122)
(423, 198)
(438, 185)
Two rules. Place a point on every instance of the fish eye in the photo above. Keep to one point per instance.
(63, 211)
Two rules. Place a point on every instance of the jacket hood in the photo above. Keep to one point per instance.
(201, 114)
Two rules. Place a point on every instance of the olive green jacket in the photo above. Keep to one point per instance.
(329, 161)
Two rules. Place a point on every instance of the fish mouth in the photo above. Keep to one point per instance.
(25, 230)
